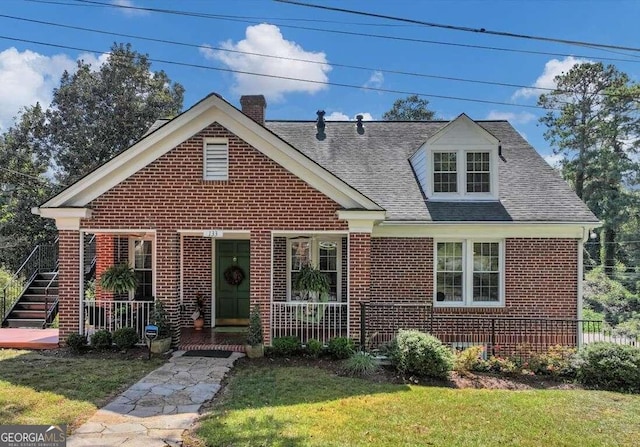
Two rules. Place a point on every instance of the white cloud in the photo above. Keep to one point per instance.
(339, 116)
(553, 160)
(127, 8)
(267, 39)
(28, 77)
(552, 68)
(514, 118)
(375, 80)
(336, 116)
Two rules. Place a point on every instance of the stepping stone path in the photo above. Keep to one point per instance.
(158, 409)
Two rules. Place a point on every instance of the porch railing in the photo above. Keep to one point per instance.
(43, 258)
(113, 315)
(308, 320)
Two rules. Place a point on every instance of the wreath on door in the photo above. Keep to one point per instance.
(233, 275)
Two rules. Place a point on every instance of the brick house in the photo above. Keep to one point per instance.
(463, 217)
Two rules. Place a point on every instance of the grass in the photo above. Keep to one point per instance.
(304, 406)
(47, 389)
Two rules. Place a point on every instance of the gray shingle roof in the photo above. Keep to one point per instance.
(377, 165)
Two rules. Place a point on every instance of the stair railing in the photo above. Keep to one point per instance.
(48, 312)
(43, 257)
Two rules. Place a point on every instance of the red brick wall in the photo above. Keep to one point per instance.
(169, 194)
(402, 269)
(540, 282)
(540, 276)
(197, 277)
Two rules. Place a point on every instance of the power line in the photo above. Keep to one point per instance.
(33, 177)
(287, 78)
(339, 32)
(462, 28)
(270, 56)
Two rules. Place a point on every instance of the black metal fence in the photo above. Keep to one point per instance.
(500, 336)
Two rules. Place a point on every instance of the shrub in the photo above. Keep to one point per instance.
(125, 338)
(101, 339)
(469, 359)
(341, 348)
(314, 348)
(360, 364)
(415, 352)
(160, 318)
(609, 366)
(76, 342)
(254, 336)
(557, 361)
(503, 365)
(285, 346)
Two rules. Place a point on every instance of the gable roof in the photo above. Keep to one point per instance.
(377, 164)
(165, 135)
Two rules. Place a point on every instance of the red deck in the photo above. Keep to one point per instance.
(23, 338)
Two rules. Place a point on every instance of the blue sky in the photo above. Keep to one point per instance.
(29, 71)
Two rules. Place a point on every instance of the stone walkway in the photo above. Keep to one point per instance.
(158, 409)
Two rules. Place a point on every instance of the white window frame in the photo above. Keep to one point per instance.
(220, 142)
(132, 262)
(315, 258)
(467, 274)
(461, 170)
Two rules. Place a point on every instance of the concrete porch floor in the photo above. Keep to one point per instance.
(209, 338)
(28, 338)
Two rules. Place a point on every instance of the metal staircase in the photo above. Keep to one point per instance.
(30, 298)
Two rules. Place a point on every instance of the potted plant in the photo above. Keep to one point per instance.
(119, 279)
(198, 315)
(255, 347)
(160, 318)
(312, 283)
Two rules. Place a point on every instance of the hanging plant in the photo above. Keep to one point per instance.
(313, 283)
(119, 278)
(233, 275)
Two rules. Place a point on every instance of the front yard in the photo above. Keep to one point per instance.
(56, 388)
(279, 405)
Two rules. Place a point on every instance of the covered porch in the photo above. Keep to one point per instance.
(206, 262)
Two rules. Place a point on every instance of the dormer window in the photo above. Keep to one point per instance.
(459, 162)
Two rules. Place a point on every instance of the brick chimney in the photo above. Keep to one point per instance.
(253, 106)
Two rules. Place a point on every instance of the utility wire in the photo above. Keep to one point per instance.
(270, 56)
(462, 28)
(33, 177)
(340, 32)
(287, 78)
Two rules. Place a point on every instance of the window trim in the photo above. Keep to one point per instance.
(220, 142)
(315, 258)
(461, 171)
(467, 274)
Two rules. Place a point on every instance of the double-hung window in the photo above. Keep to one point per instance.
(321, 252)
(469, 273)
(142, 261)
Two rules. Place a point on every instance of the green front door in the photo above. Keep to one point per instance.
(232, 301)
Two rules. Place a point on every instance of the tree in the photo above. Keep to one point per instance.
(24, 183)
(593, 121)
(411, 108)
(97, 113)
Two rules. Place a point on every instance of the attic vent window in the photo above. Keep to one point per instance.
(216, 160)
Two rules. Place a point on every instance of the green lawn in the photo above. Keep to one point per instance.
(303, 406)
(45, 389)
